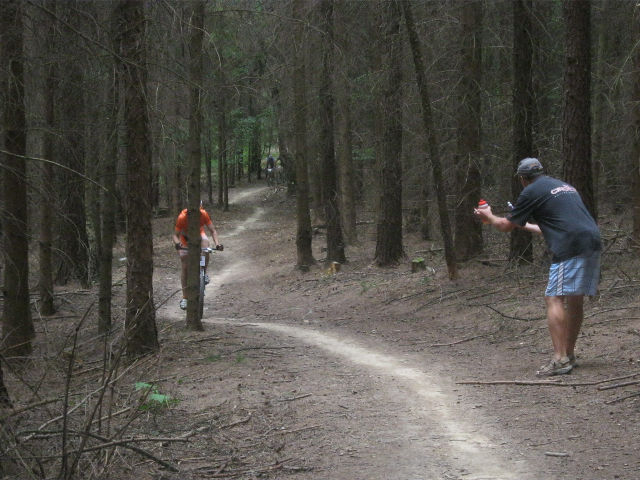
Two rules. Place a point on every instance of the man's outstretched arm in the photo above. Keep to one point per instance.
(503, 224)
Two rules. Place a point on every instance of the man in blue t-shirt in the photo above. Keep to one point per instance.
(574, 240)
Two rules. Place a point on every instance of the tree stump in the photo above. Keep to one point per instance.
(418, 265)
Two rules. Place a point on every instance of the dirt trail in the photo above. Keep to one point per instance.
(430, 418)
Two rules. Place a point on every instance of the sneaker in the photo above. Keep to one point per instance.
(555, 367)
(573, 360)
(206, 279)
(183, 304)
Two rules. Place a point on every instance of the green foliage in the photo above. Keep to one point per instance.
(240, 358)
(154, 401)
(364, 156)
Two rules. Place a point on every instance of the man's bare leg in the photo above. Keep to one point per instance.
(575, 313)
(558, 323)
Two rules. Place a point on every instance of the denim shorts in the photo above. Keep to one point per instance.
(575, 276)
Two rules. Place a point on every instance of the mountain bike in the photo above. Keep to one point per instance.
(203, 283)
(269, 174)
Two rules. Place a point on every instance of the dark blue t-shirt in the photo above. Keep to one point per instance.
(556, 206)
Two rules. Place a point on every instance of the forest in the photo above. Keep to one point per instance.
(115, 113)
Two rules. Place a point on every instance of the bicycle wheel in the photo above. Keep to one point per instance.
(201, 296)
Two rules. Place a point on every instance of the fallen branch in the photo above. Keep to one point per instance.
(405, 297)
(443, 297)
(512, 317)
(615, 379)
(525, 383)
(618, 385)
(621, 399)
(260, 348)
(611, 320)
(555, 383)
(37, 434)
(599, 312)
(205, 339)
(557, 454)
(297, 430)
(125, 443)
(85, 399)
(238, 422)
(254, 470)
(291, 399)
(457, 342)
(191, 433)
(26, 408)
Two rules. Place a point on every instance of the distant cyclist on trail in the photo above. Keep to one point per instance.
(270, 169)
(180, 242)
(574, 240)
(271, 163)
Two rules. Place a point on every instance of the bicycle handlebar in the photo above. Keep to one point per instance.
(204, 250)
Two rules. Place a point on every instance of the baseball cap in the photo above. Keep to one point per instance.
(529, 167)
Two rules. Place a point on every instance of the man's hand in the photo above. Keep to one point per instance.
(484, 213)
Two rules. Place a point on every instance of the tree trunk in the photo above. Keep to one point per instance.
(335, 243)
(45, 280)
(521, 248)
(576, 119)
(140, 322)
(224, 153)
(346, 169)
(389, 229)
(73, 239)
(208, 155)
(195, 162)
(345, 145)
(425, 226)
(600, 98)
(427, 118)
(303, 235)
(225, 172)
(468, 234)
(47, 196)
(220, 170)
(635, 101)
(17, 325)
(284, 133)
(5, 400)
(253, 162)
(109, 209)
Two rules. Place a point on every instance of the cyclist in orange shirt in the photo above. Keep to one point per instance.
(180, 243)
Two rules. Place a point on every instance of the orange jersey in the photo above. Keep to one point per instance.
(181, 224)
